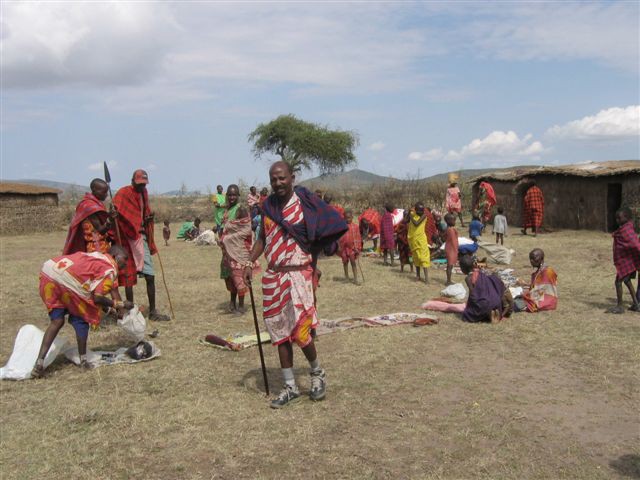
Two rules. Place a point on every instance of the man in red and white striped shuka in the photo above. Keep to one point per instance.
(287, 283)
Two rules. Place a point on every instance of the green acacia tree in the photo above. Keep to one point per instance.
(303, 144)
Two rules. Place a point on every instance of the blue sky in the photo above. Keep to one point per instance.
(176, 87)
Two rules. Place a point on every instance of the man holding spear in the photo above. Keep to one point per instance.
(134, 223)
(296, 226)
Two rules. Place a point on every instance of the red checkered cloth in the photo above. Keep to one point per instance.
(533, 207)
(386, 232)
(88, 206)
(626, 250)
(131, 206)
(430, 227)
(373, 219)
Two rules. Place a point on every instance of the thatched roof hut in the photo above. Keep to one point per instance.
(580, 196)
(26, 208)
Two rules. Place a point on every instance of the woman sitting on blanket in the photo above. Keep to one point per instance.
(543, 289)
(489, 299)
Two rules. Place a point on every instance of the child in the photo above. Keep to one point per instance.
(451, 245)
(350, 246)
(489, 300)
(475, 227)
(626, 258)
(236, 241)
(387, 242)
(500, 226)
(166, 233)
(404, 252)
(418, 241)
(542, 292)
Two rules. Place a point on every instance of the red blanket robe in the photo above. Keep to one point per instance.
(626, 250)
(533, 207)
(132, 207)
(88, 206)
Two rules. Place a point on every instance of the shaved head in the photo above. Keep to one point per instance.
(281, 164)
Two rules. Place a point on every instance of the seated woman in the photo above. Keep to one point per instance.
(542, 292)
(489, 299)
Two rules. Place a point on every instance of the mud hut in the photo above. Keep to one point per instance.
(28, 208)
(581, 196)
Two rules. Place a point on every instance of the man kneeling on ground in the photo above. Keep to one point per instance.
(77, 285)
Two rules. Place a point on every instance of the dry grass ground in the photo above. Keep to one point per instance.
(552, 395)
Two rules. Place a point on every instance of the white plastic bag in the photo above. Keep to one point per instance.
(134, 324)
(25, 353)
(455, 291)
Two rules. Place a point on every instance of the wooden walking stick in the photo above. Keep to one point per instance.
(255, 323)
(360, 267)
(166, 289)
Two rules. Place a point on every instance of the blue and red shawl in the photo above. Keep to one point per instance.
(322, 225)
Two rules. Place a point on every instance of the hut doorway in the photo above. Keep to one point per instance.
(614, 202)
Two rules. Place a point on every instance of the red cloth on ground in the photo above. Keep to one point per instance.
(88, 206)
(451, 246)
(350, 244)
(626, 250)
(386, 232)
(132, 207)
(533, 207)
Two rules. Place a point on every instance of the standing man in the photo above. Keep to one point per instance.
(296, 226)
(533, 209)
(135, 221)
(219, 206)
(91, 223)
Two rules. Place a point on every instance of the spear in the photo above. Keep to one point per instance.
(107, 178)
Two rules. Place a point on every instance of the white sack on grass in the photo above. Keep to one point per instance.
(497, 253)
(134, 324)
(516, 291)
(206, 238)
(25, 353)
(455, 291)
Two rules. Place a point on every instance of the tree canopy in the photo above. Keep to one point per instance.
(303, 144)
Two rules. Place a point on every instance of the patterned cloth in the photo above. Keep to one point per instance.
(418, 242)
(533, 207)
(321, 228)
(228, 217)
(543, 291)
(253, 199)
(453, 200)
(350, 244)
(451, 245)
(237, 241)
(387, 240)
(70, 282)
(84, 238)
(626, 250)
(132, 207)
(431, 228)
(287, 287)
(486, 200)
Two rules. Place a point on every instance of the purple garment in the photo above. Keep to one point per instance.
(322, 225)
(485, 297)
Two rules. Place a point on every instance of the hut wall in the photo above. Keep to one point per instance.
(572, 202)
(24, 214)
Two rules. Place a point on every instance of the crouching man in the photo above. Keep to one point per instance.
(77, 285)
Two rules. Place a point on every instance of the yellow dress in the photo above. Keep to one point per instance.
(418, 242)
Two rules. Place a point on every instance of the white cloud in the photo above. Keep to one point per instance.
(377, 146)
(610, 124)
(428, 156)
(497, 145)
(98, 166)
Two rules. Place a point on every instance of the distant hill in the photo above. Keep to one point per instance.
(180, 193)
(362, 179)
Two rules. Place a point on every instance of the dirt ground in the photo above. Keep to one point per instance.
(548, 395)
